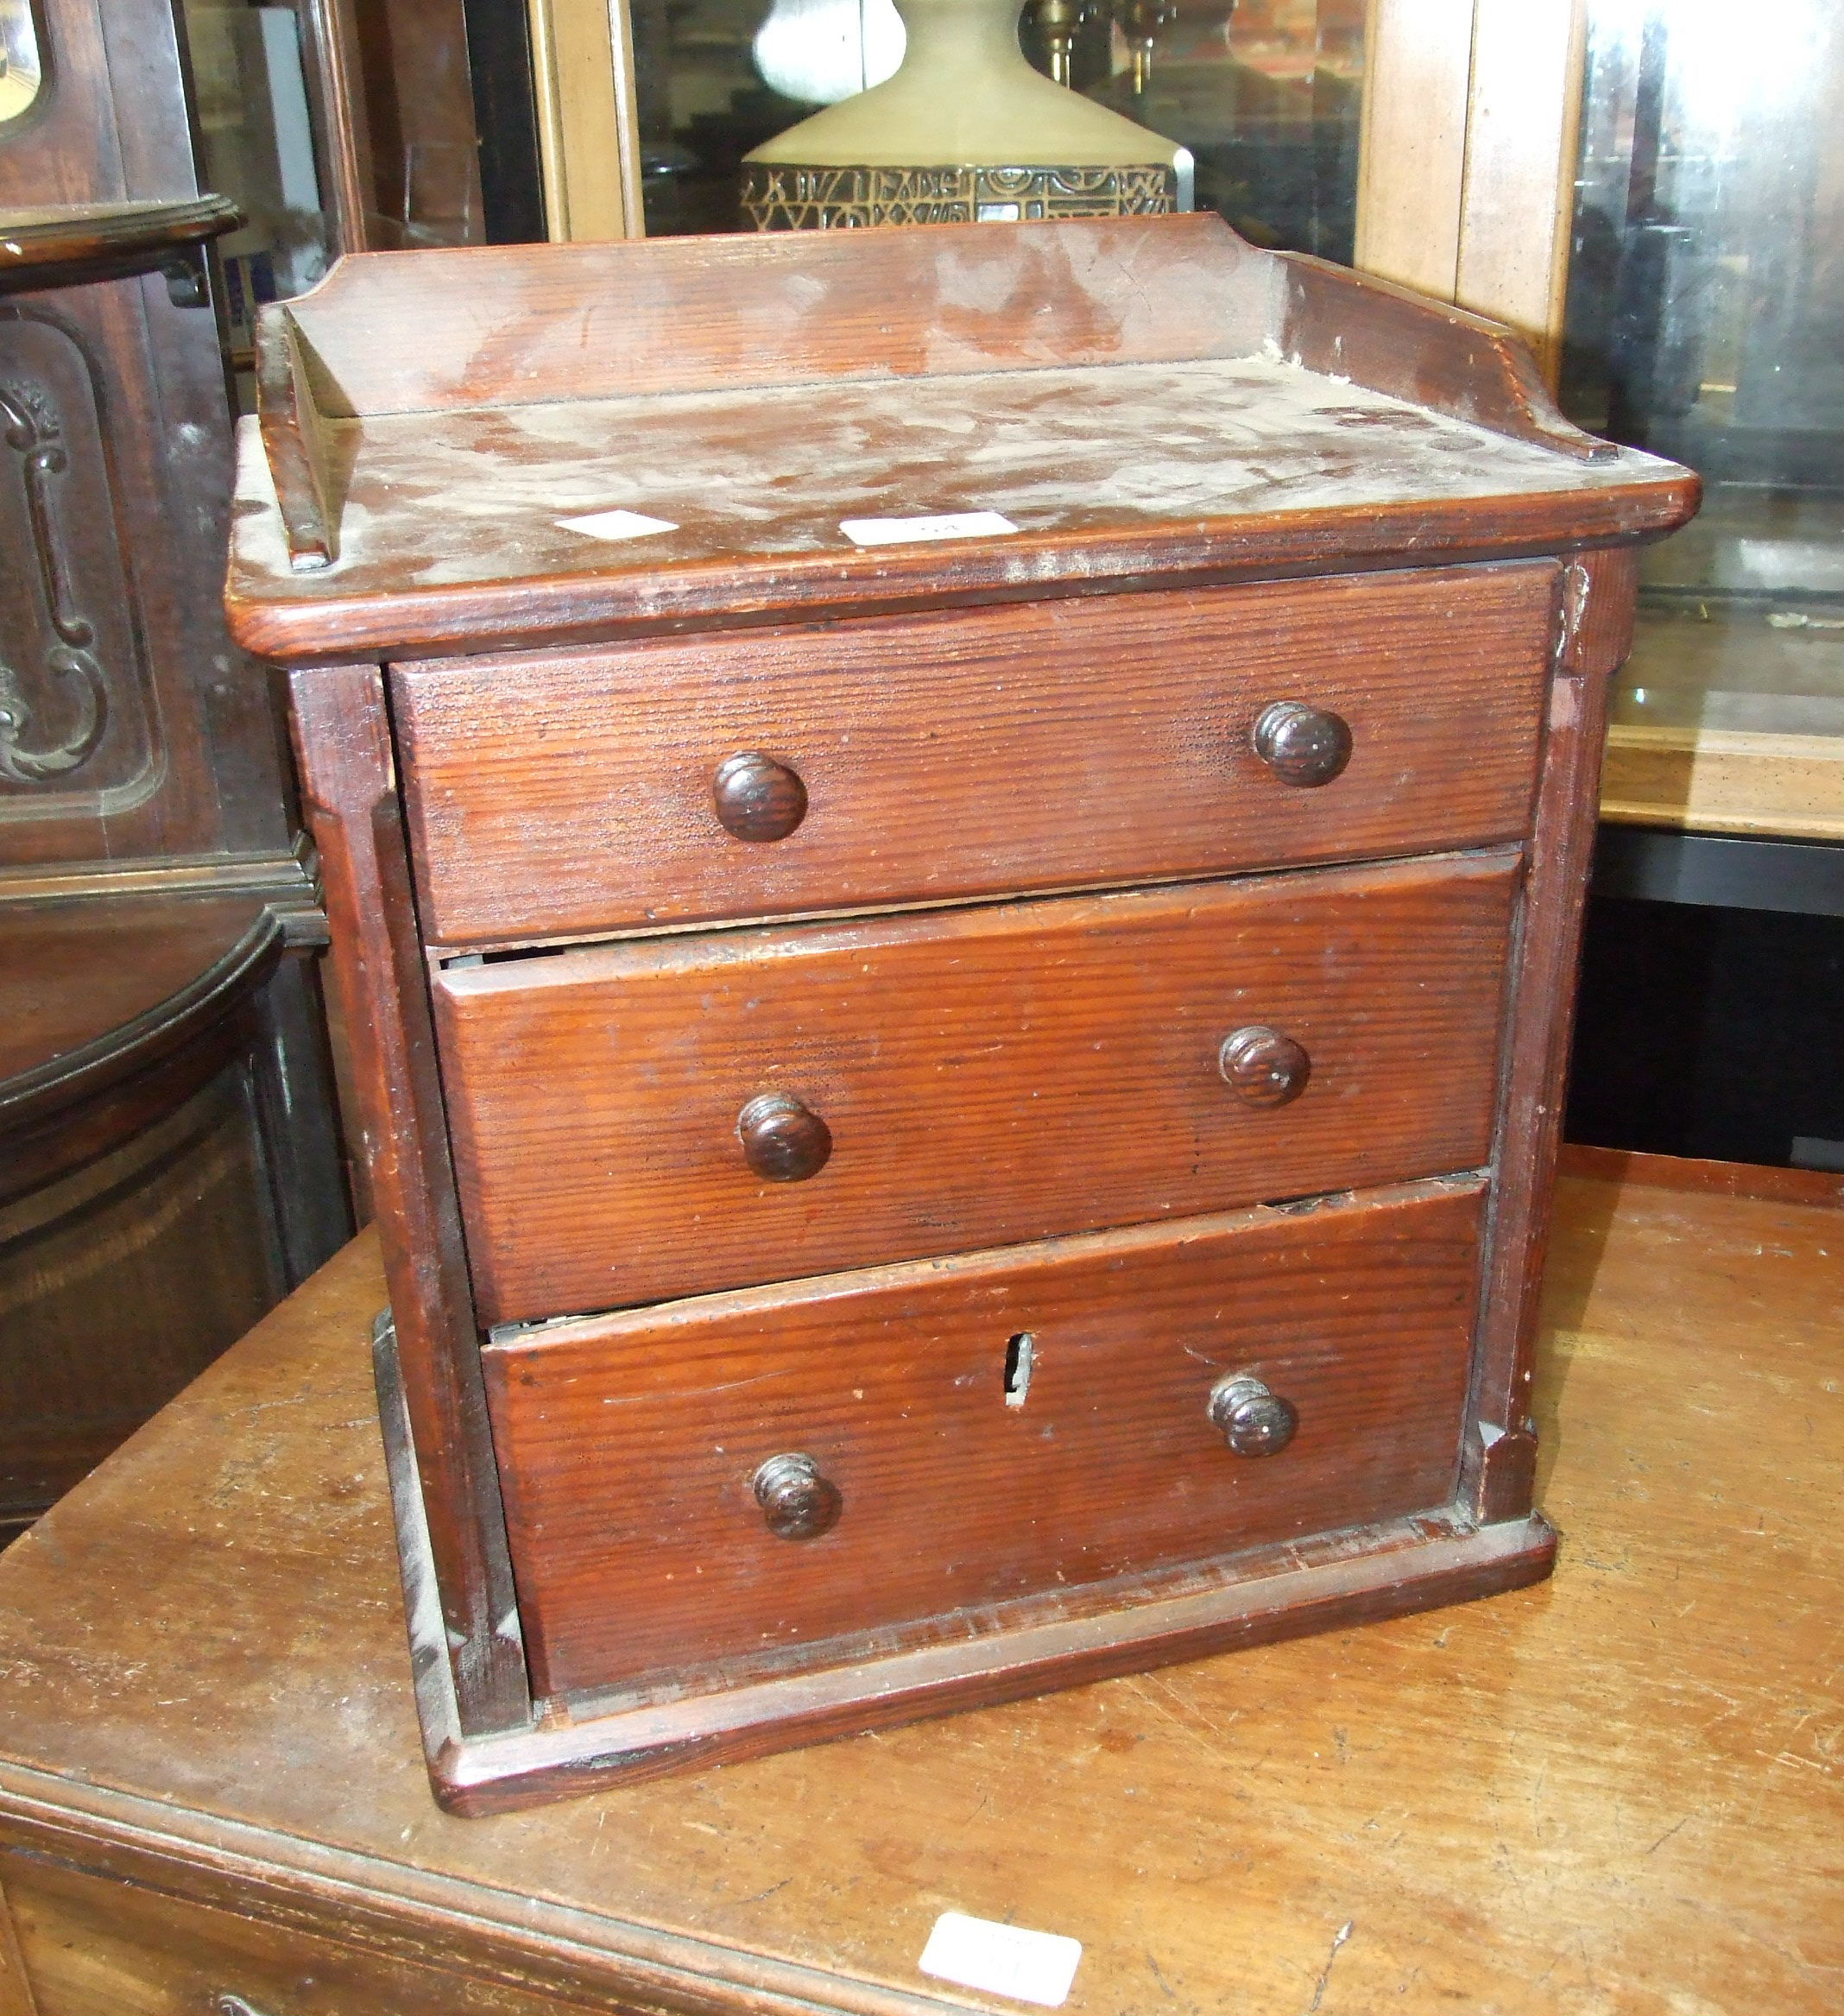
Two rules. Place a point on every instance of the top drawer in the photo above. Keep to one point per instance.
(1023, 747)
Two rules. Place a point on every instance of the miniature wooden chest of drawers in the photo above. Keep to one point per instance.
(956, 858)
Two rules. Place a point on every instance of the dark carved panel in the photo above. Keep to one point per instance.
(77, 730)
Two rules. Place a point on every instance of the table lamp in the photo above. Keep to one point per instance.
(965, 132)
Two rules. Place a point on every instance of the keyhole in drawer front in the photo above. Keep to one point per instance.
(1018, 1354)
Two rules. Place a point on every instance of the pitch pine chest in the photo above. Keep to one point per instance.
(956, 858)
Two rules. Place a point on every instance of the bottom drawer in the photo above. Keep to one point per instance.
(995, 1426)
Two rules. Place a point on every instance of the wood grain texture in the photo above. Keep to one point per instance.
(1411, 157)
(1035, 746)
(1132, 476)
(348, 778)
(582, 64)
(987, 1075)
(1517, 214)
(1577, 1795)
(675, 315)
(1751, 1179)
(1466, 170)
(1724, 780)
(628, 1444)
(666, 315)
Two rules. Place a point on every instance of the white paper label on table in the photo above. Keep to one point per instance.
(1003, 1960)
(617, 525)
(898, 531)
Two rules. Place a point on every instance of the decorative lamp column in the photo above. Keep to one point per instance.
(965, 132)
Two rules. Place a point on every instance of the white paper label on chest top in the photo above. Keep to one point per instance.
(617, 525)
(1003, 1960)
(950, 525)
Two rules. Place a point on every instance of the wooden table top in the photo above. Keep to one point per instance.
(1618, 1791)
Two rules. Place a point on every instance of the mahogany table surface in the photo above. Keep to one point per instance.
(1617, 1792)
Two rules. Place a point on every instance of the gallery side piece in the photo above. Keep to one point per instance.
(955, 1107)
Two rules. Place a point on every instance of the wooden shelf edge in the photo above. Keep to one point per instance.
(1725, 780)
(1763, 1181)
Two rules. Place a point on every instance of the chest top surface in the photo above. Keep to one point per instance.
(523, 445)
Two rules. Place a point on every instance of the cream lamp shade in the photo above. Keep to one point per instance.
(966, 131)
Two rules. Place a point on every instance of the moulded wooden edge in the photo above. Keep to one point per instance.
(60, 243)
(79, 1074)
(287, 879)
(405, 1912)
(1388, 1570)
(562, 610)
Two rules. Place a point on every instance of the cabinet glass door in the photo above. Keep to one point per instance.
(1705, 321)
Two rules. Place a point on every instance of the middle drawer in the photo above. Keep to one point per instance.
(664, 1117)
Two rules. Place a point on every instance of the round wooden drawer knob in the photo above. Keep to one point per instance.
(797, 1502)
(1301, 744)
(1253, 1421)
(757, 798)
(783, 1141)
(1264, 1067)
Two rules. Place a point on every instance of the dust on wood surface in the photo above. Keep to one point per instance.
(476, 496)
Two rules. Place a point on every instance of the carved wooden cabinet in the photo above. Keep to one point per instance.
(169, 1165)
(955, 858)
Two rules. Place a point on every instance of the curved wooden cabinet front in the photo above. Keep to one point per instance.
(983, 1075)
(167, 1168)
